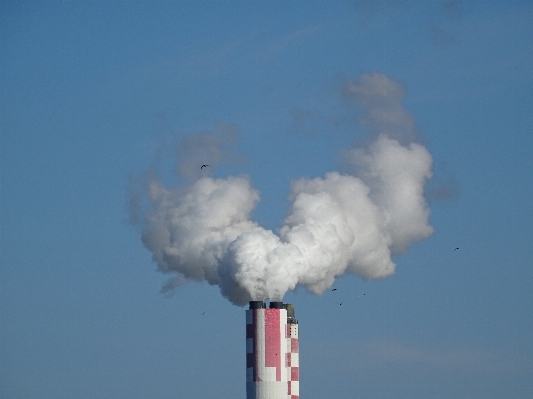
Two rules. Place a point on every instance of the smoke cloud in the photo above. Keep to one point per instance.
(337, 223)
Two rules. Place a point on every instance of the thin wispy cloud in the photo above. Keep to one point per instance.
(473, 360)
(380, 353)
(281, 44)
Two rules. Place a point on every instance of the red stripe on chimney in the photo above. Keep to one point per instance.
(294, 374)
(273, 341)
(294, 345)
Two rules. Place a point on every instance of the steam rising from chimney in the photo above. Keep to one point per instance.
(339, 223)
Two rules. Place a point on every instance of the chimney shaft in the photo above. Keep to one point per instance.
(272, 369)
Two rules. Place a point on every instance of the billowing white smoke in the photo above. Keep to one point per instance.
(337, 223)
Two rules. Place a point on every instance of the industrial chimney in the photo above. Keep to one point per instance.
(272, 365)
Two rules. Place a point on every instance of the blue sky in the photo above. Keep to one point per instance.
(98, 96)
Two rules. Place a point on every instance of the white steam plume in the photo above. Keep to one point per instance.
(336, 224)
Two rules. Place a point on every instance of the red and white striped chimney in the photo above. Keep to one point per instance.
(272, 368)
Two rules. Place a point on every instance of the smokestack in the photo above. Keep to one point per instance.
(272, 367)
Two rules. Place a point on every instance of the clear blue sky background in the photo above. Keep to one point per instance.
(92, 91)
